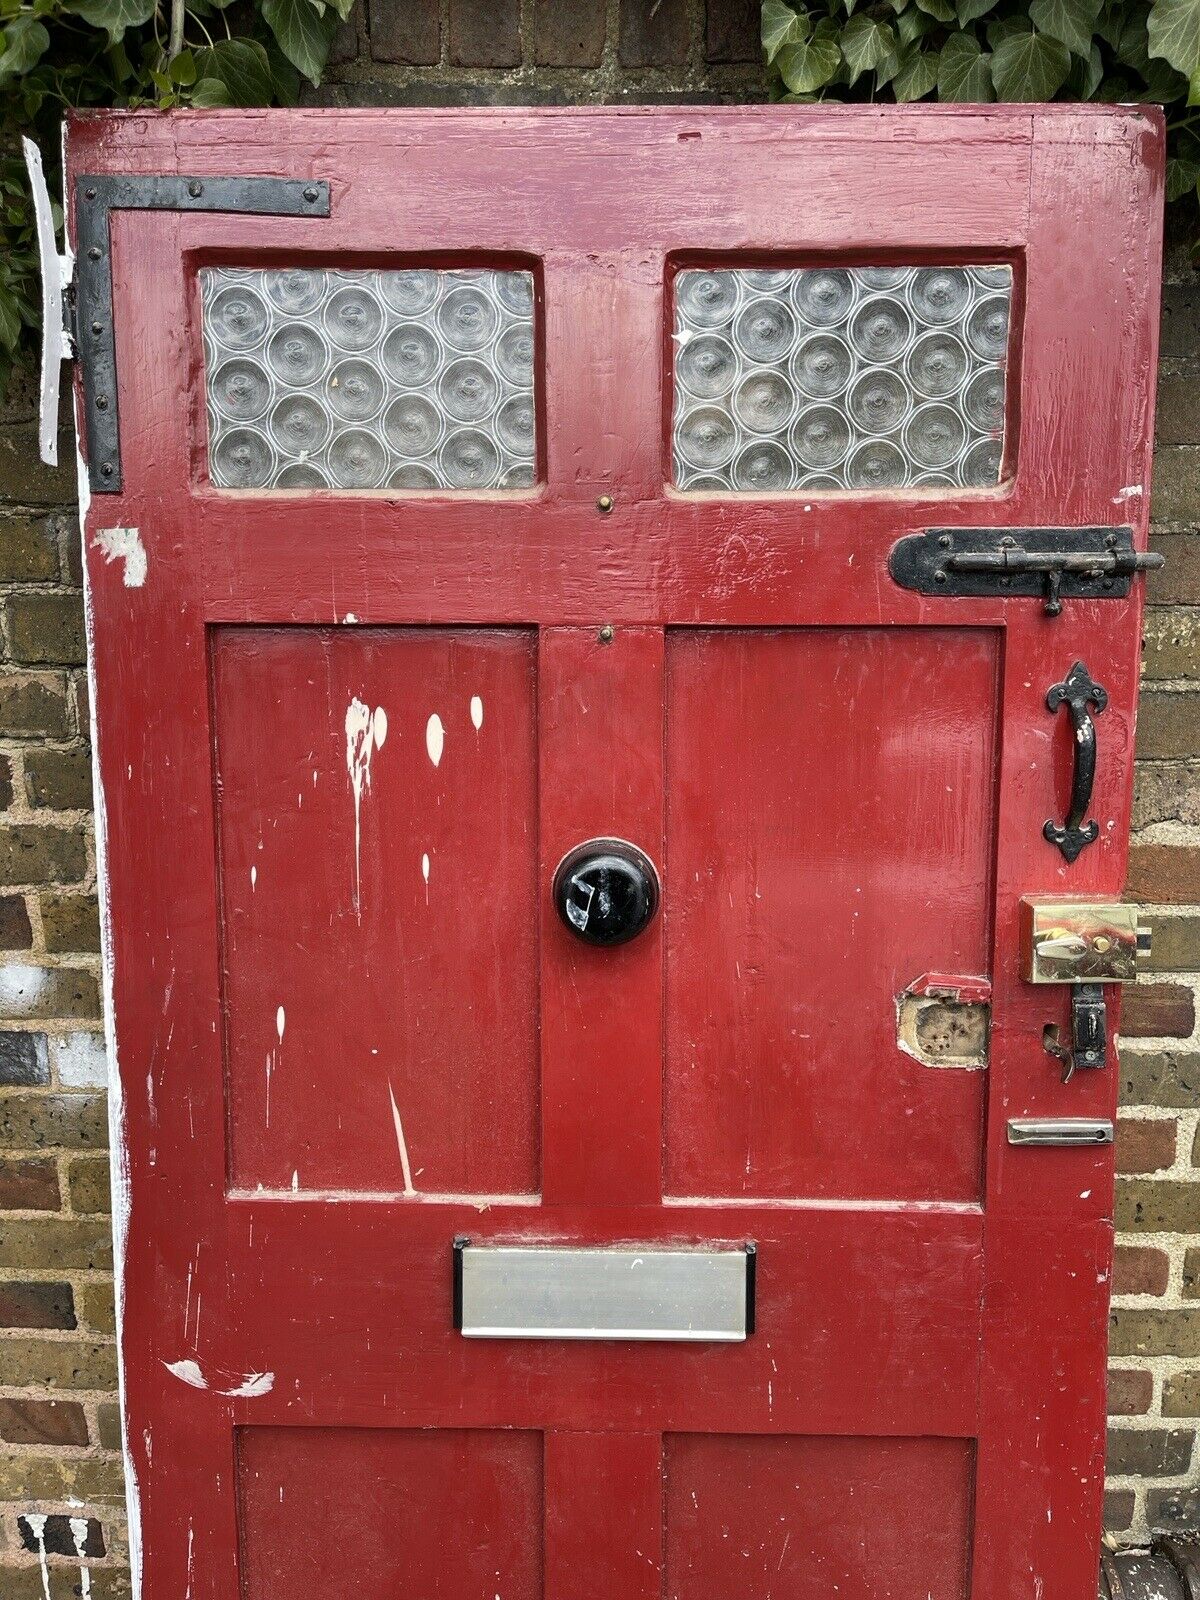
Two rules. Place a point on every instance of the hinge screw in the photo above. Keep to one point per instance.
(97, 328)
(89, 194)
(94, 253)
(106, 470)
(605, 504)
(101, 402)
(607, 633)
(195, 189)
(945, 541)
(939, 576)
(310, 195)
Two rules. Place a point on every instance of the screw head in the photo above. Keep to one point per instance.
(311, 195)
(101, 402)
(945, 541)
(607, 633)
(195, 188)
(94, 253)
(939, 576)
(106, 470)
(97, 328)
(89, 194)
(604, 504)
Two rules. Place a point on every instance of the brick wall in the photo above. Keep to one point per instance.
(59, 1447)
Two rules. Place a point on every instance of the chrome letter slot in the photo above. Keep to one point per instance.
(545, 1292)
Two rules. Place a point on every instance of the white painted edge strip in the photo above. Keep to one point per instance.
(56, 272)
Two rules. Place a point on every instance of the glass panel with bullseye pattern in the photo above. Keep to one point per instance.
(413, 379)
(831, 378)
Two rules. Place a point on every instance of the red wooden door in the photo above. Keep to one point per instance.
(544, 491)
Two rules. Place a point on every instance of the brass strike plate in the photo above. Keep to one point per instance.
(1072, 941)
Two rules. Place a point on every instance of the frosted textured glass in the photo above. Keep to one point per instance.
(827, 378)
(369, 380)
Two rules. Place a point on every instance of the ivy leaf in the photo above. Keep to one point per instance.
(779, 27)
(304, 36)
(210, 92)
(114, 16)
(865, 43)
(1001, 28)
(913, 25)
(941, 9)
(25, 43)
(242, 66)
(1174, 29)
(970, 11)
(917, 76)
(964, 70)
(1071, 22)
(10, 318)
(1029, 66)
(809, 64)
(181, 69)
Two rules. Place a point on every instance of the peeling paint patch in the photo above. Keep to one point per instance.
(401, 1144)
(435, 738)
(124, 544)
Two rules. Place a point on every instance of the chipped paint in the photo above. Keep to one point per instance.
(366, 731)
(941, 1032)
(125, 545)
(401, 1144)
(435, 738)
(476, 712)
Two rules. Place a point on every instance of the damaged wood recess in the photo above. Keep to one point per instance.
(945, 1022)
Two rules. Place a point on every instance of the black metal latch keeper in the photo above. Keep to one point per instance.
(1055, 564)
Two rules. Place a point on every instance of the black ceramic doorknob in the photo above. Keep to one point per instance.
(606, 891)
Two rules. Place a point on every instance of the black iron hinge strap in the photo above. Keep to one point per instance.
(95, 198)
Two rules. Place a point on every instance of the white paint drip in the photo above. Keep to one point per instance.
(124, 544)
(253, 879)
(36, 1523)
(366, 731)
(476, 712)
(435, 738)
(79, 1533)
(280, 1022)
(425, 874)
(400, 1143)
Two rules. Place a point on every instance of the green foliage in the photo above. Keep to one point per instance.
(143, 54)
(959, 50)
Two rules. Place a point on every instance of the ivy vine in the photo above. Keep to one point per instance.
(1015, 50)
(60, 54)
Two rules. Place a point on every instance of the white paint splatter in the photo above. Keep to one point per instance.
(366, 731)
(295, 1182)
(476, 712)
(253, 879)
(79, 1533)
(280, 1022)
(187, 1372)
(425, 874)
(124, 544)
(252, 1386)
(400, 1143)
(36, 1523)
(435, 738)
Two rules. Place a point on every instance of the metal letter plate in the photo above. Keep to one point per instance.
(509, 1292)
(1060, 1130)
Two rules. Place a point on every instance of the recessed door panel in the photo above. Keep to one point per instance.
(378, 847)
(345, 1512)
(830, 820)
(859, 1519)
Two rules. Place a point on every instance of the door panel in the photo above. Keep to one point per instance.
(830, 826)
(841, 783)
(372, 1042)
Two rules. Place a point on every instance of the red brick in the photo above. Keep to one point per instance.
(15, 930)
(408, 32)
(1158, 1010)
(654, 35)
(36, 1305)
(42, 1422)
(1145, 1145)
(1138, 1269)
(28, 1185)
(1145, 1205)
(1129, 1392)
(485, 33)
(1168, 724)
(1166, 874)
(568, 35)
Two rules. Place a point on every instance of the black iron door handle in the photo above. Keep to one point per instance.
(1077, 692)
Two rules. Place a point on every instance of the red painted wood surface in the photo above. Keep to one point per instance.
(921, 1406)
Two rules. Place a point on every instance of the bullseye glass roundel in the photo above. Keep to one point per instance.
(321, 379)
(828, 378)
